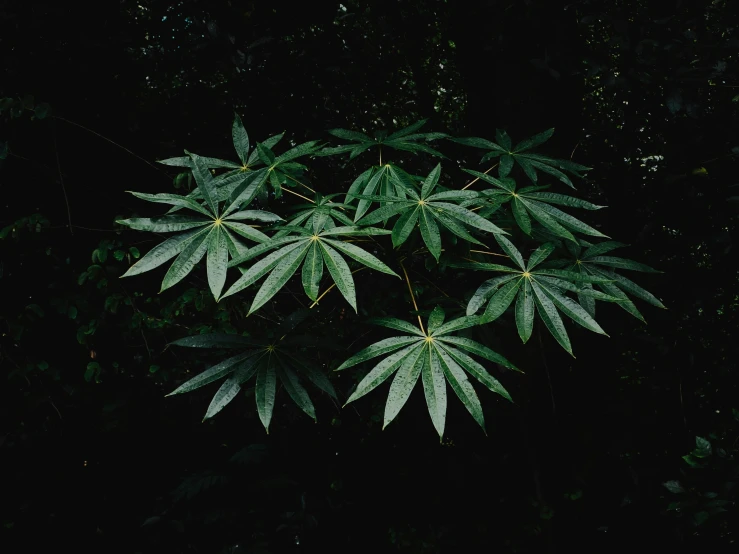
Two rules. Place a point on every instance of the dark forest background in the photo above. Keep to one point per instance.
(94, 457)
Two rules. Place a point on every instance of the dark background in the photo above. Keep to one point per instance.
(94, 458)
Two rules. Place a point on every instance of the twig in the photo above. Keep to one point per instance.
(489, 253)
(573, 150)
(468, 185)
(329, 288)
(111, 142)
(300, 195)
(61, 180)
(413, 298)
(301, 184)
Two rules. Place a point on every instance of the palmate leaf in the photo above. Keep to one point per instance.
(211, 231)
(521, 154)
(537, 288)
(591, 262)
(269, 361)
(319, 250)
(428, 211)
(437, 357)
(406, 139)
(534, 203)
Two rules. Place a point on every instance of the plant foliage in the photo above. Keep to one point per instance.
(560, 278)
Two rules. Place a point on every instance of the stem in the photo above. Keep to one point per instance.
(329, 288)
(381, 155)
(61, 180)
(413, 298)
(477, 178)
(300, 195)
(489, 253)
(301, 184)
(111, 142)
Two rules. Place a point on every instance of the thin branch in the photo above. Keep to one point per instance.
(61, 180)
(300, 195)
(413, 298)
(489, 253)
(111, 142)
(298, 182)
(468, 185)
(331, 287)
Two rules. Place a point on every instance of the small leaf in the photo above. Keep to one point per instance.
(500, 301)
(550, 317)
(534, 141)
(384, 346)
(436, 319)
(403, 384)
(461, 386)
(296, 391)
(281, 274)
(430, 232)
(212, 374)
(185, 262)
(340, 273)
(434, 389)
(525, 312)
(264, 393)
(312, 272)
(382, 371)
(240, 139)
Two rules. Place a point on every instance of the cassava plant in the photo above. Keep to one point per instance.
(560, 268)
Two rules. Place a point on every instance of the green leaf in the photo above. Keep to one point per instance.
(407, 130)
(231, 386)
(534, 141)
(269, 143)
(622, 263)
(404, 226)
(212, 374)
(500, 301)
(214, 340)
(359, 183)
(386, 212)
(478, 349)
(456, 325)
(296, 391)
(479, 143)
(466, 216)
(164, 224)
(434, 389)
(264, 392)
(632, 288)
(572, 309)
(240, 139)
(506, 164)
(184, 263)
(456, 228)
(602, 248)
(384, 346)
(403, 384)
(550, 317)
(430, 233)
(436, 319)
(265, 154)
(255, 215)
(539, 255)
(477, 371)
(350, 135)
(540, 215)
(217, 260)
(486, 290)
(355, 231)
(503, 139)
(210, 163)
(397, 324)
(312, 271)
(246, 231)
(281, 274)
(174, 200)
(501, 184)
(340, 273)
(550, 170)
(360, 255)
(512, 251)
(566, 219)
(562, 200)
(525, 312)
(204, 181)
(298, 151)
(161, 253)
(461, 386)
(382, 371)
(431, 181)
(521, 215)
(453, 195)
